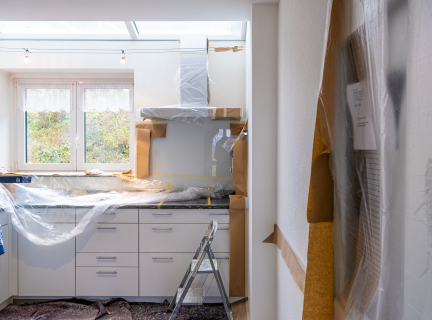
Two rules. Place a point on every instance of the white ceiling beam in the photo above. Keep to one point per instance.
(130, 25)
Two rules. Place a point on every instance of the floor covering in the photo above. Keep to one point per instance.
(113, 309)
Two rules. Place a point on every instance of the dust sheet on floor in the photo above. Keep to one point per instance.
(113, 309)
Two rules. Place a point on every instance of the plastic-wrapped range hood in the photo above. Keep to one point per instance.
(194, 87)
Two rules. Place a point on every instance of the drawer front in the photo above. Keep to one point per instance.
(108, 238)
(106, 281)
(3, 218)
(161, 274)
(180, 237)
(118, 259)
(183, 216)
(211, 287)
(117, 216)
(55, 215)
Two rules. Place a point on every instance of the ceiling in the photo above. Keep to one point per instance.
(130, 10)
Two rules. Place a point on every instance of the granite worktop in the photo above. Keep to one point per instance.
(190, 204)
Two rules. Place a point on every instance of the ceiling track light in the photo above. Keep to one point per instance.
(123, 59)
(26, 58)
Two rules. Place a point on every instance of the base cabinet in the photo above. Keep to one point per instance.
(4, 267)
(46, 271)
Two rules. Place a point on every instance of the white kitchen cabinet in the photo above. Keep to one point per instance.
(46, 271)
(180, 237)
(183, 215)
(109, 238)
(161, 274)
(116, 216)
(107, 281)
(4, 266)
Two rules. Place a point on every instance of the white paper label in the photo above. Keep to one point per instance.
(364, 132)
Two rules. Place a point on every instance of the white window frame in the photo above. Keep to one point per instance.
(77, 138)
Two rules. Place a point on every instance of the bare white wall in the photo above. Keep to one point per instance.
(141, 10)
(187, 150)
(418, 274)
(302, 31)
(5, 119)
(262, 157)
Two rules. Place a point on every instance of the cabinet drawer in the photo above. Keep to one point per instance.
(117, 259)
(161, 274)
(3, 218)
(183, 215)
(55, 215)
(4, 267)
(106, 281)
(180, 237)
(109, 238)
(117, 216)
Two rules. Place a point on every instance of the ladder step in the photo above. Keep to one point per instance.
(193, 297)
(205, 266)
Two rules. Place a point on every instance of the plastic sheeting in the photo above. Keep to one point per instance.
(30, 206)
(361, 113)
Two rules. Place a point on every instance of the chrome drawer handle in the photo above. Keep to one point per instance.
(223, 229)
(218, 214)
(224, 258)
(100, 228)
(52, 213)
(106, 272)
(110, 213)
(106, 258)
(162, 229)
(157, 258)
(162, 214)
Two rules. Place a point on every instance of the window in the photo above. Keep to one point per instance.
(75, 125)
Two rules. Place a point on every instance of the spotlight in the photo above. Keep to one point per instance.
(26, 58)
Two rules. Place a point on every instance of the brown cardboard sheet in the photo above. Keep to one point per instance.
(318, 294)
(142, 153)
(222, 49)
(233, 113)
(157, 130)
(241, 309)
(236, 128)
(237, 214)
(291, 259)
(240, 166)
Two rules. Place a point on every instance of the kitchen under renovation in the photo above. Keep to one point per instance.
(220, 160)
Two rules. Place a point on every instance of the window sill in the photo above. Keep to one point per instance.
(67, 173)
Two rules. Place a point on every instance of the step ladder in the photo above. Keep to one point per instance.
(186, 295)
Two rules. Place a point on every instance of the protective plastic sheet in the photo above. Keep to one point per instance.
(31, 206)
(361, 112)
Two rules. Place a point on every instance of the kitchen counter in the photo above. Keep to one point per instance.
(191, 204)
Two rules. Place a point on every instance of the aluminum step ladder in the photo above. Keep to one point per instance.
(186, 295)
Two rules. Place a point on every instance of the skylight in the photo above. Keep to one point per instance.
(63, 27)
(121, 30)
(215, 28)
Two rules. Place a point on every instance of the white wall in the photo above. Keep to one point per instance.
(187, 149)
(262, 157)
(418, 277)
(115, 10)
(5, 119)
(302, 28)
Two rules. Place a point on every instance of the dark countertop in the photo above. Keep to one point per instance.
(191, 204)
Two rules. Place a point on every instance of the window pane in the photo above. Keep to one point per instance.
(63, 27)
(107, 136)
(190, 27)
(48, 136)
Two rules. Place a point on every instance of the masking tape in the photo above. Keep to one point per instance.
(160, 203)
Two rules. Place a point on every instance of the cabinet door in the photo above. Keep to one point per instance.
(4, 267)
(46, 271)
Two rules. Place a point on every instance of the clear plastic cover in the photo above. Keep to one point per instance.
(361, 113)
(34, 208)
